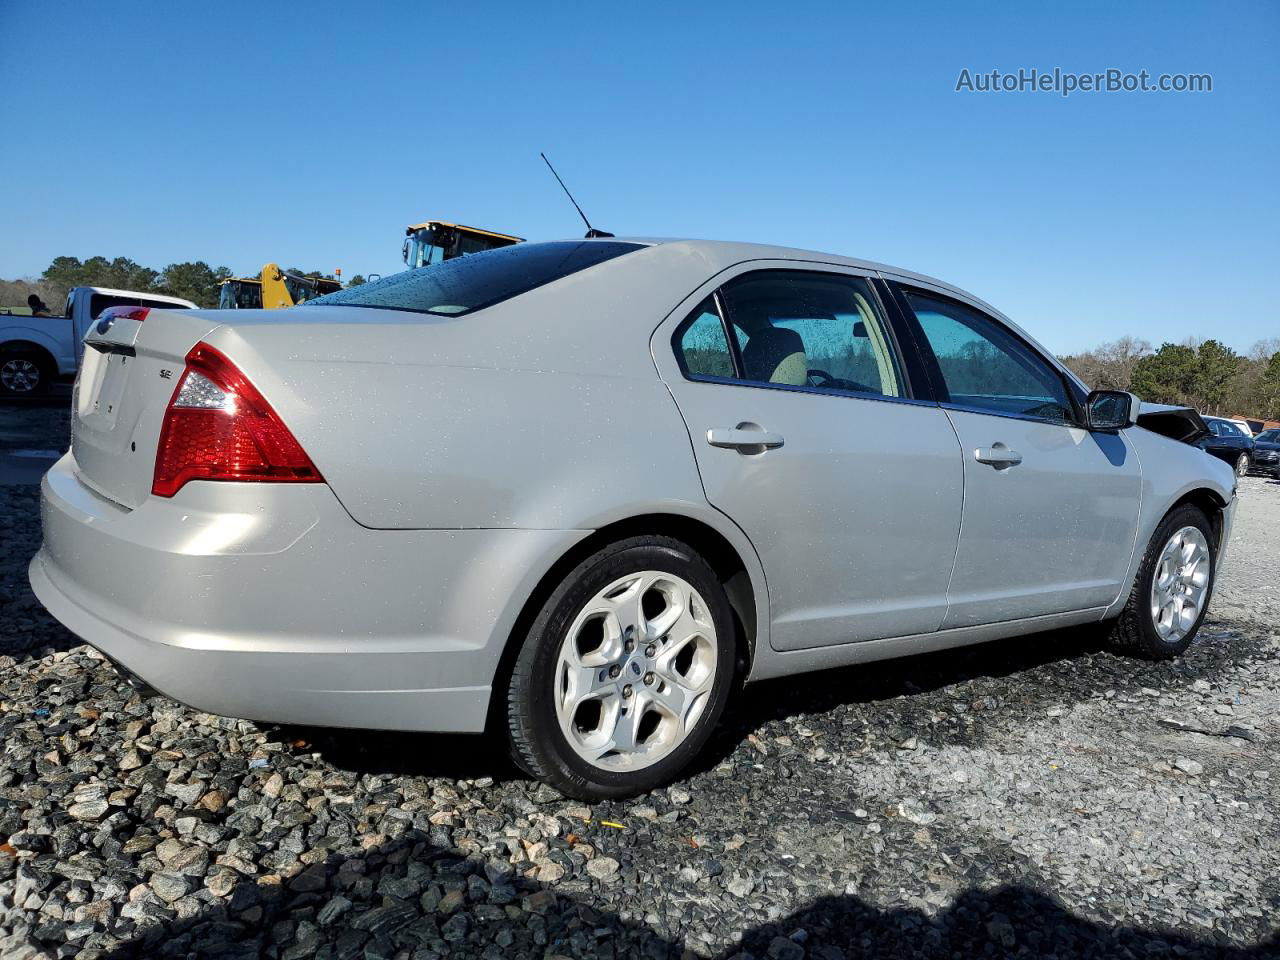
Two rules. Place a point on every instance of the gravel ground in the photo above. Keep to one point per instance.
(1036, 797)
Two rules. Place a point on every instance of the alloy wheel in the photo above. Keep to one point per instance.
(1180, 584)
(19, 375)
(635, 671)
(1242, 465)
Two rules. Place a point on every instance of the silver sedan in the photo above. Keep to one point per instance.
(574, 492)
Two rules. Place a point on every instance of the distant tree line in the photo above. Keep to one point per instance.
(1204, 374)
(193, 280)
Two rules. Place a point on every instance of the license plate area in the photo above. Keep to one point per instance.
(105, 376)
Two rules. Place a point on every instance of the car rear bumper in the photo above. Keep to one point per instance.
(267, 601)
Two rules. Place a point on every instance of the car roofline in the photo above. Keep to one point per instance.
(734, 252)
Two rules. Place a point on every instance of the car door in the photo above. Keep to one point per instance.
(808, 436)
(1050, 508)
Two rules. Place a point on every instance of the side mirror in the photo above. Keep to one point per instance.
(1111, 410)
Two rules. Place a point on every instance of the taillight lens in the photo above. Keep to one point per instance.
(218, 427)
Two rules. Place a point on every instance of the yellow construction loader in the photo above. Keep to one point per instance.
(435, 240)
(272, 289)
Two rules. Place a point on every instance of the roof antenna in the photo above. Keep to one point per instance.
(592, 232)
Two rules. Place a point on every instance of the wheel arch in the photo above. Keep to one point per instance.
(31, 346)
(740, 576)
(1209, 502)
(1206, 495)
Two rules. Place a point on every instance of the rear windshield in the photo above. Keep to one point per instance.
(469, 283)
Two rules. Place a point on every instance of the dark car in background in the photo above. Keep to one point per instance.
(1228, 442)
(1266, 452)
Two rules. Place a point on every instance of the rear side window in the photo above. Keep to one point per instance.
(823, 331)
(701, 346)
(466, 284)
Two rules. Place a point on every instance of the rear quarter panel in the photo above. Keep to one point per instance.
(542, 412)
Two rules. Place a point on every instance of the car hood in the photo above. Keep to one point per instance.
(1176, 423)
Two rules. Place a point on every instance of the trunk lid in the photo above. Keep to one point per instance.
(127, 377)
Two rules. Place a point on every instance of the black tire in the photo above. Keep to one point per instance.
(537, 743)
(1134, 631)
(1242, 465)
(17, 367)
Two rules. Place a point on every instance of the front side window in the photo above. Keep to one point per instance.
(818, 330)
(987, 367)
(466, 284)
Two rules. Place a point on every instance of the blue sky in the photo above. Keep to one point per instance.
(311, 134)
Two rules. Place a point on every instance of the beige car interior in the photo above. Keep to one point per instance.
(833, 311)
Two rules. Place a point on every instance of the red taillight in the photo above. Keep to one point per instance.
(218, 427)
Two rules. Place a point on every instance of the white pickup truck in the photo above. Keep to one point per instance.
(34, 351)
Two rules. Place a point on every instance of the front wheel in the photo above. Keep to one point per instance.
(624, 673)
(1171, 593)
(1242, 465)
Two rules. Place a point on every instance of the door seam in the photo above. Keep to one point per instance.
(964, 494)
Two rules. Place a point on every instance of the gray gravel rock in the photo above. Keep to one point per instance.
(168, 886)
(1190, 767)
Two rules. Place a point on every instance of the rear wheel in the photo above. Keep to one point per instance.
(1242, 465)
(625, 671)
(1171, 593)
(24, 374)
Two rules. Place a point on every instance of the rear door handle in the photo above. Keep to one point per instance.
(997, 455)
(745, 438)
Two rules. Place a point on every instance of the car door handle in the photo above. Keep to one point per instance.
(998, 456)
(745, 438)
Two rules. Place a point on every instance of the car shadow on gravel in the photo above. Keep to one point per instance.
(396, 753)
(408, 898)
(467, 757)
(1085, 668)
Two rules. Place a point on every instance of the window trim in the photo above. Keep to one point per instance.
(942, 395)
(902, 357)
